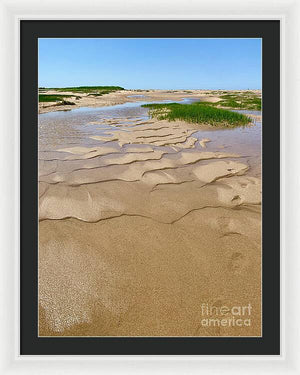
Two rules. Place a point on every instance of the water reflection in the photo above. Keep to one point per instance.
(75, 127)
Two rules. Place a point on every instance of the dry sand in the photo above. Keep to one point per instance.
(138, 232)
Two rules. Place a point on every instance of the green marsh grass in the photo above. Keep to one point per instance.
(90, 89)
(243, 100)
(53, 98)
(236, 100)
(197, 113)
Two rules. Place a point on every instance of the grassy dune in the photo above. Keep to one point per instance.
(53, 98)
(197, 113)
(243, 100)
(89, 89)
(60, 98)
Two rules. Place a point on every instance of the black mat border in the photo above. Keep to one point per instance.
(269, 31)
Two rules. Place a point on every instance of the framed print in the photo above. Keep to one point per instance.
(45, 288)
(137, 312)
(150, 187)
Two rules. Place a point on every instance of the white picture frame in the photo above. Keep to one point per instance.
(11, 12)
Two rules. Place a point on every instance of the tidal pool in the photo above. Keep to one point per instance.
(77, 126)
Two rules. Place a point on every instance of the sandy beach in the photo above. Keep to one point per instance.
(144, 221)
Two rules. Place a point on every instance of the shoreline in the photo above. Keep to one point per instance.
(121, 97)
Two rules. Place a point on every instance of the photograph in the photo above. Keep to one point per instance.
(150, 187)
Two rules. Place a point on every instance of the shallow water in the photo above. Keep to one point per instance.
(135, 96)
(75, 127)
(245, 141)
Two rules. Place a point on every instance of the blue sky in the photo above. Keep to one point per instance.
(151, 63)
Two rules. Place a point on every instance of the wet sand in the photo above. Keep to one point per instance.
(120, 97)
(144, 222)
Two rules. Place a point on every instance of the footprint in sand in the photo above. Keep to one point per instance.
(236, 199)
(237, 263)
(223, 223)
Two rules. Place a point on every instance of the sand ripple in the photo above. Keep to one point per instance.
(137, 227)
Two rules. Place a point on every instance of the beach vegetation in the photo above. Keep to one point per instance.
(89, 89)
(197, 113)
(53, 98)
(239, 100)
(58, 99)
